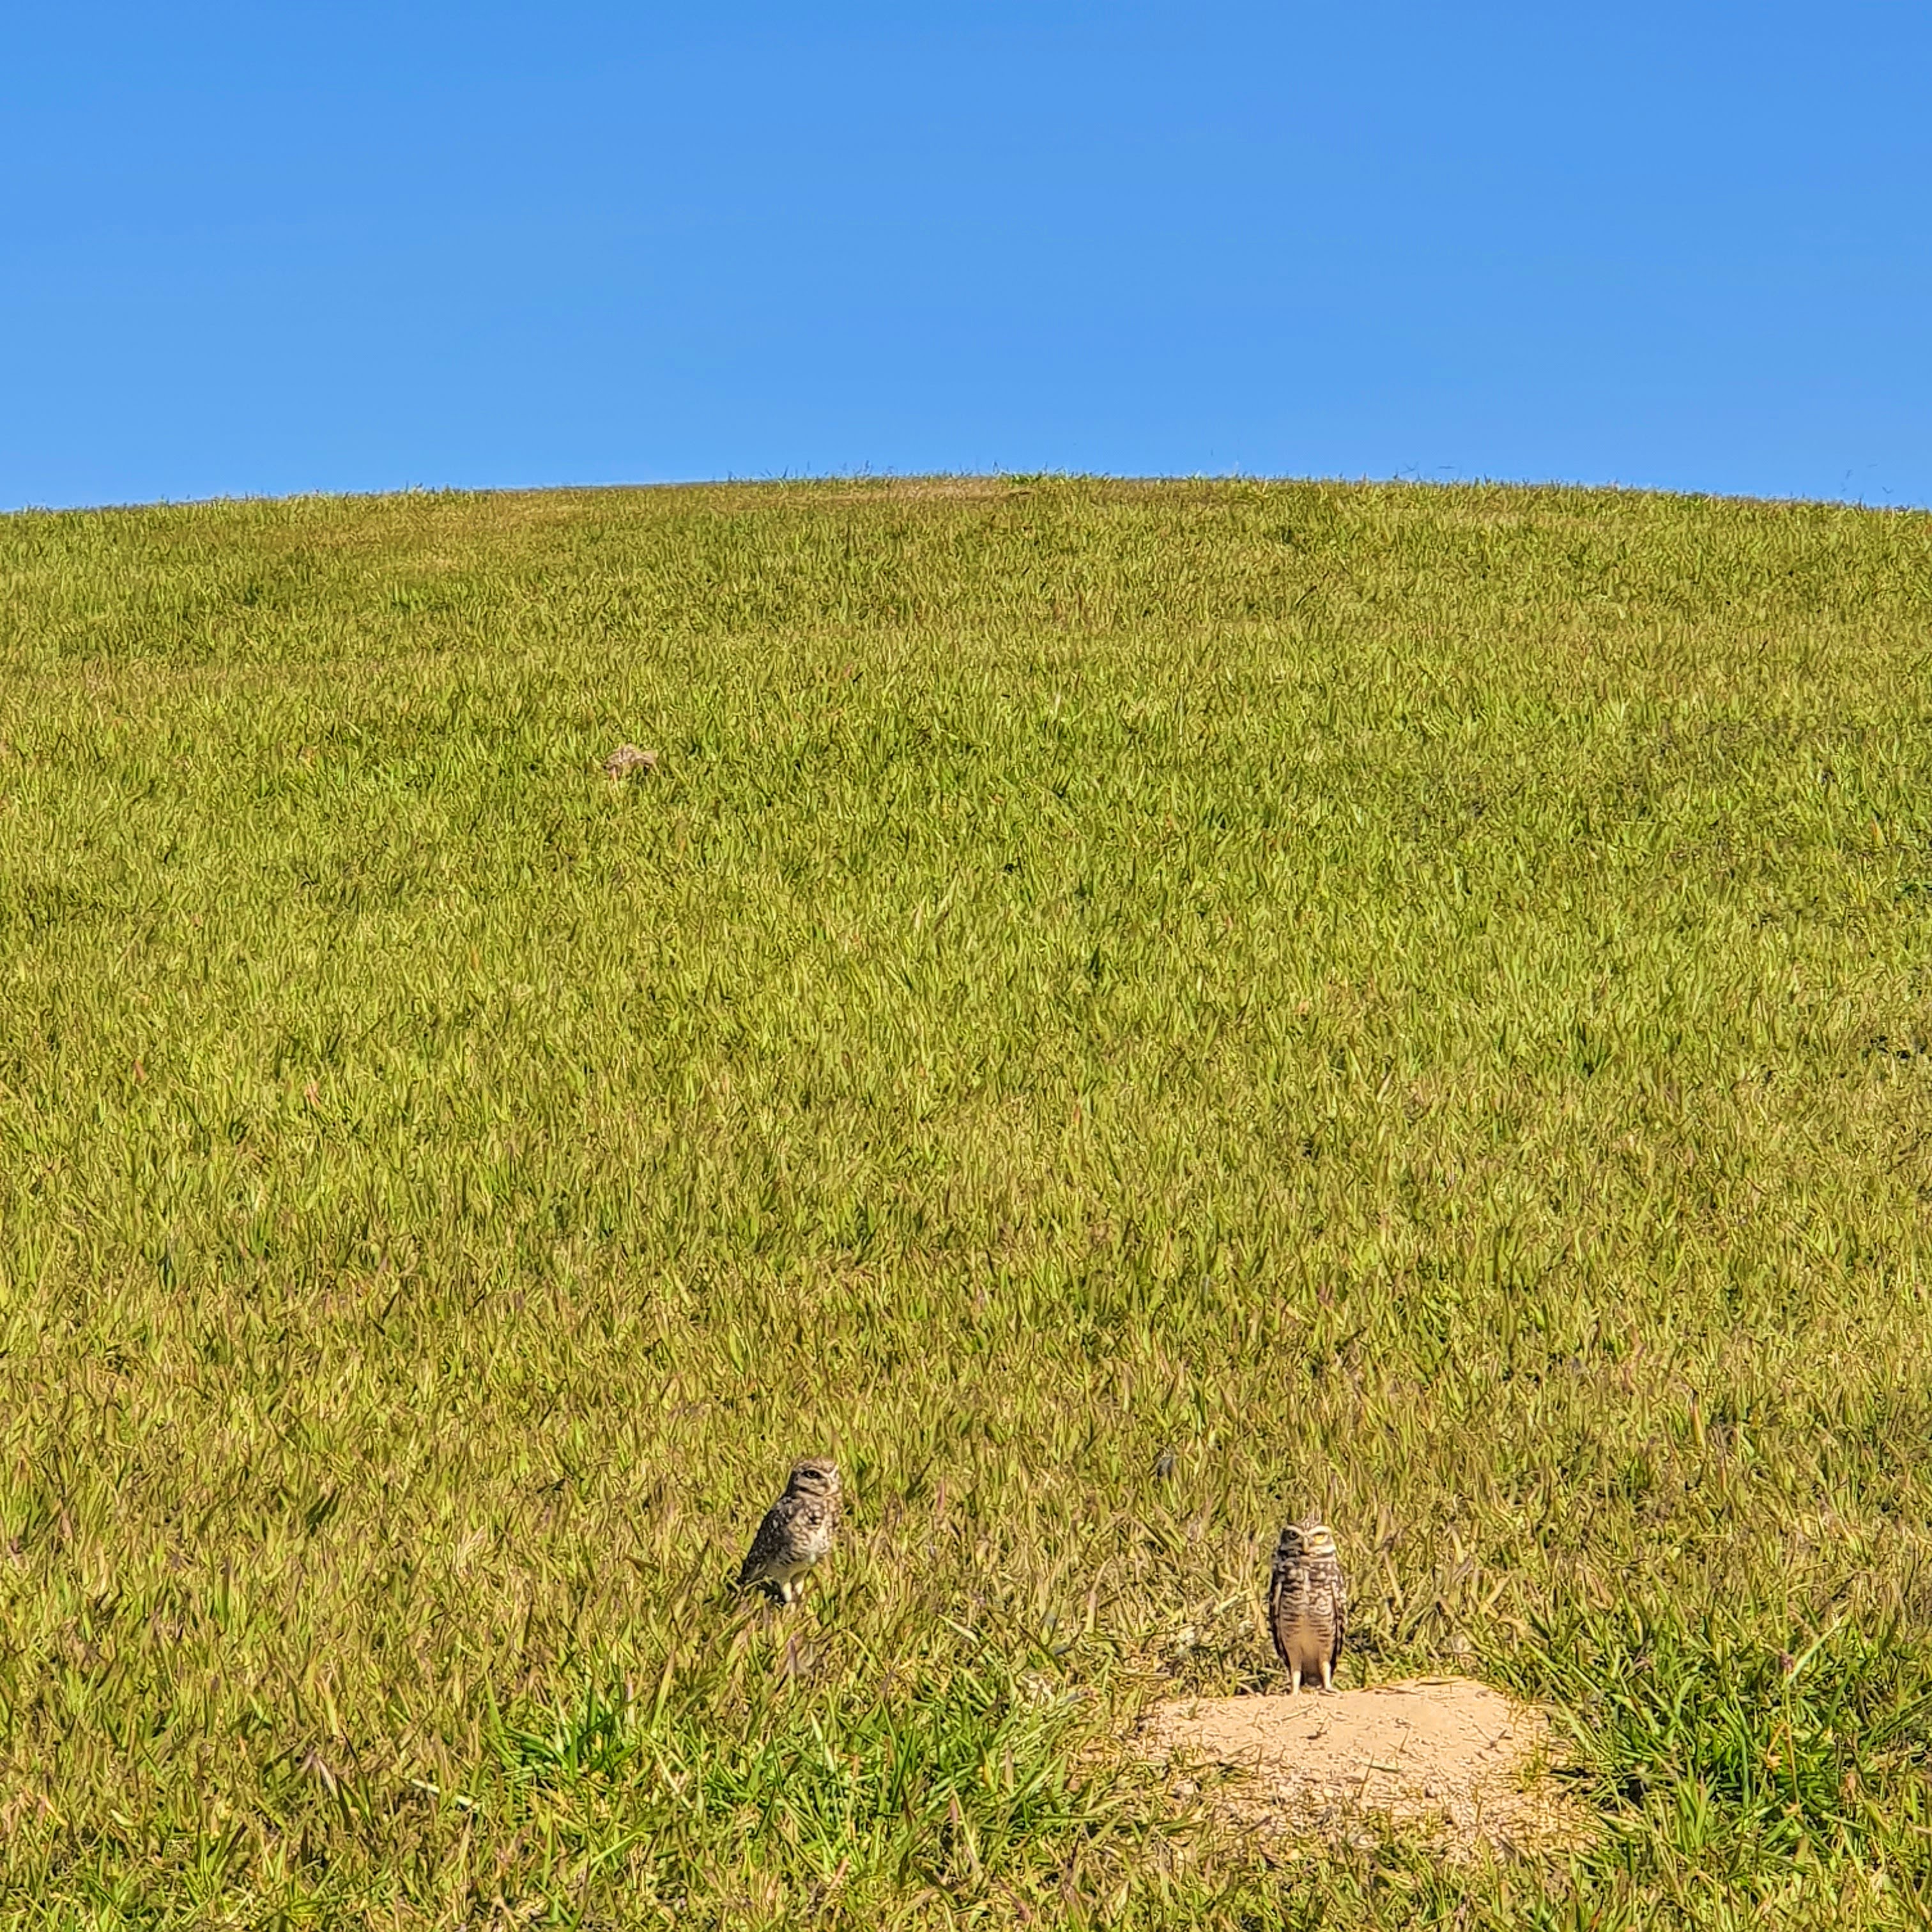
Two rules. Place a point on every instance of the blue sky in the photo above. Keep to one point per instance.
(264, 248)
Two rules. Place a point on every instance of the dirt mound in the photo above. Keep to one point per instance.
(1461, 1763)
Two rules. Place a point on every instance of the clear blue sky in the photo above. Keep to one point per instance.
(276, 246)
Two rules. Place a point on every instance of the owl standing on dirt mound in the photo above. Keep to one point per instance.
(1308, 1602)
(796, 1531)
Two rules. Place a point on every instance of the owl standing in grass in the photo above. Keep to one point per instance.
(796, 1531)
(1308, 1602)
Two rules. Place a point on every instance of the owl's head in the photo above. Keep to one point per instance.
(816, 1476)
(1310, 1537)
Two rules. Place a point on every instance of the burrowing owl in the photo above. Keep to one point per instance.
(627, 759)
(797, 1529)
(1308, 1602)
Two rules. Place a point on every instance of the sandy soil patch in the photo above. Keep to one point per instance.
(1459, 1762)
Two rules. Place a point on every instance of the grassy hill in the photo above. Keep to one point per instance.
(1415, 1001)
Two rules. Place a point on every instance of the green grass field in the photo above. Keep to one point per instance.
(1418, 1001)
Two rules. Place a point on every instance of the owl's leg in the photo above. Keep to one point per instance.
(1294, 1680)
(1328, 1676)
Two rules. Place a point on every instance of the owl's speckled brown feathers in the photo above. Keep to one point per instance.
(1308, 1602)
(797, 1530)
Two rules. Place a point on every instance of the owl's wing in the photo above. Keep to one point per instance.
(1274, 1611)
(768, 1545)
(1341, 1619)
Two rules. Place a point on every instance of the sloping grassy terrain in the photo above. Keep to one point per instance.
(1123, 1011)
